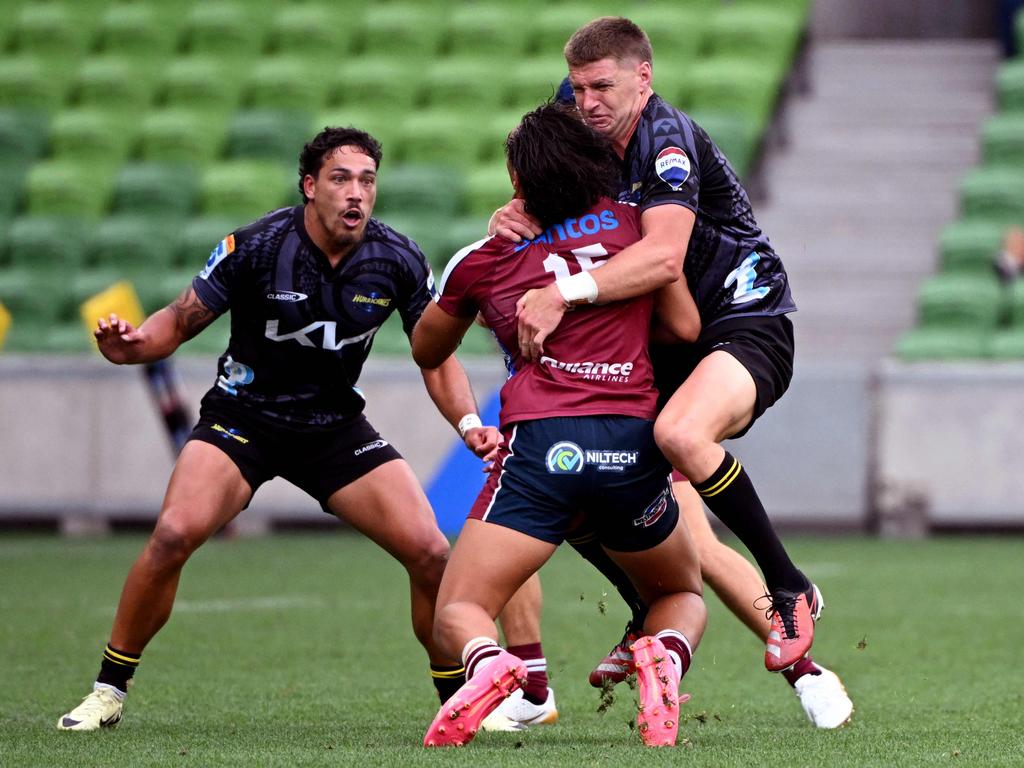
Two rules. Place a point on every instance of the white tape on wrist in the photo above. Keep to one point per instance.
(468, 422)
(578, 289)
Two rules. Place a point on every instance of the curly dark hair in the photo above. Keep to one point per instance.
(311, 160)
(563, 166)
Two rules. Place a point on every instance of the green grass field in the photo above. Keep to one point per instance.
(296, 650)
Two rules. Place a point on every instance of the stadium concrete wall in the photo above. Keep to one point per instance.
(902, 449)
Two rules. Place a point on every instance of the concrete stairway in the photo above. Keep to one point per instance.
(867, 179)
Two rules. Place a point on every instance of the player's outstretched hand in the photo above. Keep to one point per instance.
(119, 341)
(538, 313)
(512, 222)
(483, 441)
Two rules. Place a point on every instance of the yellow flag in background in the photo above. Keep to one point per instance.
(119, 299)
(5, 323)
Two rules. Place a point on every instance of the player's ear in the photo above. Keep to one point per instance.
(645, 73)
(309, 186)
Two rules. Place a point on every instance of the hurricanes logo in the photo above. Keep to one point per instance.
(564, 458)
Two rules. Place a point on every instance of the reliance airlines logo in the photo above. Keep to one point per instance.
(594, 371)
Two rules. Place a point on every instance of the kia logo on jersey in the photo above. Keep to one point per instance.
(672, 166)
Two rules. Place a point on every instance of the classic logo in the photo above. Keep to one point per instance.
(672, 166)
(286, 296)
(224, 249)
(564, 458)
(370, 447)
(654, 511)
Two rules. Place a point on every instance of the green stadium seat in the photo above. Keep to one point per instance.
(426, 230)
(154, 189)
(1002, 140)
(28, 82)
(268, 135)
(133, 241)
(1007, 344)
(1010, 85)
(382, 124)
(996, 194)
(12, 180)
(734, 135)
(970, 245)
(960, 301)
(738, 85)
(112, 82)
(440, 137)
(373, 81)
(136, 31)
(312, 31)
(554, 24)
(85, 284)
(158, 288)
(201, 82)
(460, 84)
(677, 31)
(494, 130)
(413, 29)
(23, 135)
(66, 188)
(35, 301)
(91, 135)
(490, 30)
(54, 245)
(246, 189)
(47, 29)
(459, 233)
(284, 84)
(182, 136)
(923, 344)
(487, 188)
(224, 29)
(766, 35)
(410, 190)
(1016, 304)
(532, 81)
(198, 237)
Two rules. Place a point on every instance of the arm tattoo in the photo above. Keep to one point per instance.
(190, 314)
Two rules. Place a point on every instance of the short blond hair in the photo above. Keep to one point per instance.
(607, 37)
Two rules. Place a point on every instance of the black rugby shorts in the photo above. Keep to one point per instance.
(317, 459)
(763, 345)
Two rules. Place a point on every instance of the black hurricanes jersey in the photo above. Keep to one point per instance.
(730, 266)
(300, 329)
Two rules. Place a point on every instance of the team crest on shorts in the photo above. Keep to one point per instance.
(673, 167)
(564, 458)
(654, 511)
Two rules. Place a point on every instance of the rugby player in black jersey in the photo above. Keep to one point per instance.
(697, 223)
(307, 288)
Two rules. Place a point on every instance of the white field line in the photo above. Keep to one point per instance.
(246, 604)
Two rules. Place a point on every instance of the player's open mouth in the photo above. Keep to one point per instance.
(352, 217)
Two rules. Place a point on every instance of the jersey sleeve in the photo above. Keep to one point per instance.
(461, 278)
(214, 283)
(418, 290)
(670, 170)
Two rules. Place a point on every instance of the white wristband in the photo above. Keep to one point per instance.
(468, 422)
(578, 289)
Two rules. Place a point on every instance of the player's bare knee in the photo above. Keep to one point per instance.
(428, 560)
(170, 545)
(679, 440)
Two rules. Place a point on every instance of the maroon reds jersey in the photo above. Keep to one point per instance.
(595, 363)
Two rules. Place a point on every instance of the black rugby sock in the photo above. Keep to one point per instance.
(592, 551)
(117, 668)
(447, 679)
(731, 496)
